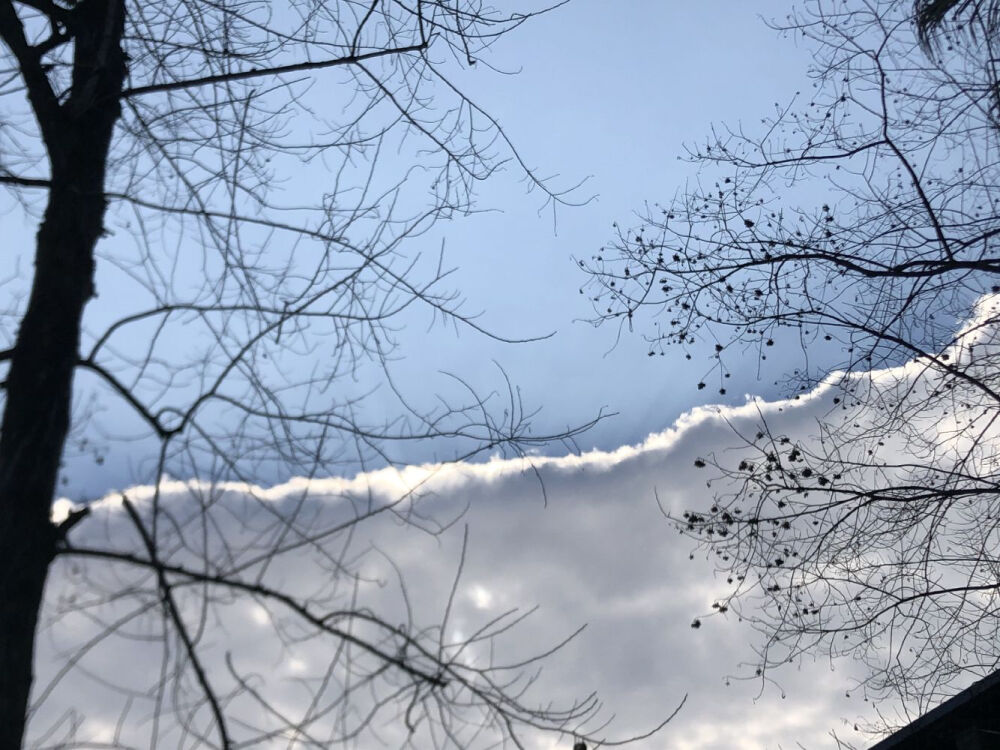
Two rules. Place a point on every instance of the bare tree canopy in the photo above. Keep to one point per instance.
(855, 226)
(233, 203)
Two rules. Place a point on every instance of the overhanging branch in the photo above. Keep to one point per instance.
(154, 88)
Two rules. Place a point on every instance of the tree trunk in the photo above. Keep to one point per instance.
(39, 382)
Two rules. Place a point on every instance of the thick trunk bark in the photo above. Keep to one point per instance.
(39, 381)
(35, 422)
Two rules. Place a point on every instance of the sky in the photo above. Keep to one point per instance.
(612, 97)
(609, 97)
(607, 93)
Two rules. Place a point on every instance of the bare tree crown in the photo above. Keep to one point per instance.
(856, 225)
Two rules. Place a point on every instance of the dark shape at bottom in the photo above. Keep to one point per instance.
(967, 721)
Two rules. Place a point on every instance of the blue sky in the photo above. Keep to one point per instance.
(604, 95)
(610, 95)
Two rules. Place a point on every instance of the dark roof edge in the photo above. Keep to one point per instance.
(932, 716)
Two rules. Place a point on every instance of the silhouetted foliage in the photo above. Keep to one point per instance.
(931, 16)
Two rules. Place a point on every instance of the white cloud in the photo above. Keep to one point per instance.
(597, 551)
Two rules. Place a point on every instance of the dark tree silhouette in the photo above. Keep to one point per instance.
(931, 16)
(232, 197)
(941, 24)
(857, 226)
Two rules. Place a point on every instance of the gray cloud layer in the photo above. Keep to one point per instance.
(582, 537)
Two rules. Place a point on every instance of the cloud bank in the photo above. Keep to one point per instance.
(576, 540)
(580, 537)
